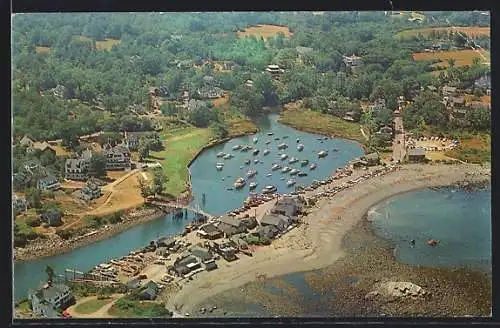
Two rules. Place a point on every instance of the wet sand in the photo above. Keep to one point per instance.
(317, 243)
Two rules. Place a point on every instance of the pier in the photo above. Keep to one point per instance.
(180, 207)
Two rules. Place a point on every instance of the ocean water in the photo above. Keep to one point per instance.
(460, 220)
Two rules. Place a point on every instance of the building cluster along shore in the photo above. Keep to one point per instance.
(270, 235)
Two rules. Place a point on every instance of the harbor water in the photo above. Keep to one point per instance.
(218, 200)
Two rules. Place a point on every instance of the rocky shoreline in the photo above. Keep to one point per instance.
(55, 245)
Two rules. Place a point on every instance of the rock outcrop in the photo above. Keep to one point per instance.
(397, 289)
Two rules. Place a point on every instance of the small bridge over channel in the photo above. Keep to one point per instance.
(196, 210)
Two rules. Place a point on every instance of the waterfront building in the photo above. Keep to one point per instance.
(230, 226)
(117, 158)
(19, 204)
(372, 159)
(280, 222)
(77, 168)
(416, 155)
(89, 192)
(52, 217)
(49, 299)
(48, 183)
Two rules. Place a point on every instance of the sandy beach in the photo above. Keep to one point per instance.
(318, 242)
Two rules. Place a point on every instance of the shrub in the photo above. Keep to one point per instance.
(65, 234)
(33, 221)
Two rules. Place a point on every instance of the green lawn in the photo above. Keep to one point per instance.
(181, 146)
(124, 308)
(91, 306)
(315, 122)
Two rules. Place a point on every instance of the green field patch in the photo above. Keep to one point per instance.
(106, 44)
(92, 306)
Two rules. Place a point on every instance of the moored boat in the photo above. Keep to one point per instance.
(252, 185)
(290, 182)
(300, 147)
(275, 167)
(283, 157)
(266, 151)
(239, 183)
(312, 166)
(251, 173)
(286, 169)
(256, 160)
(282, 146)
(270, 133)
(221, 154)
(255, 152)
(294, 172)
(236, 147)
(219, 166)
(268, 142)
(322, 153)
(269, 174)
(269, 189)
(255, 139)
(304, 162)
(228, 156)
(247, 161)
(302, 174)
(335, 149)
(293, 160)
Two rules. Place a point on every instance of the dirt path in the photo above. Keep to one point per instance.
(364, 134)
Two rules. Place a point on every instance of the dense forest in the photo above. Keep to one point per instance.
(66, 49)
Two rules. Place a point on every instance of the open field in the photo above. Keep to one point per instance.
(180, 147)
(265, 31)
(474, 149)
(92, 305)
(462, 57)
(241, 126)
(222, 101)
(81, 38)
(106, 44)
(42, 50)
(469, 31)
(311, 121)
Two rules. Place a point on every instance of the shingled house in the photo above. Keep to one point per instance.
(46, 301)
(230, 226)
(77, 168)
(89, 192)
(48, 183)
(117, 158)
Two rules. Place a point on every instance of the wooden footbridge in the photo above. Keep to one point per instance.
(169, 205)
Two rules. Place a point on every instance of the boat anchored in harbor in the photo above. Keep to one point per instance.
(239, 183)
(252, 185)
(266, 151)
(323, 153)
(219, 166)
(313, 166)
(290, 182)
(251, 173)
(286, 169)
(276, 167)
(304, 162)
(294, 172)
(300, 147)
(237, 147)
(283, 156)
(269, 189)
(282, 146)
(293, 160)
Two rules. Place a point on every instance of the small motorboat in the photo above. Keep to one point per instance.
(275, 167)
(335, 149)
(228, 156)
(322, 153)
(270, 133)
(294, 172)
(300, 147)
(252, 185)
(269, 175)
(304, 162)
(256, 161)
(298, 140)
(255, 152)
(286, 169)
(247, 161)
(312, 166)
(325, 138)
(255, 139)
(285, 137)
(219, 166)
(241, 167)
(221, 154)
(269, 189)
(244, 148)
(302, 174)
(293, 160)
(283, 157)
(290, 182)
(239, 183)
(282, 178)
(277, 138)
(237, 147)
(266, 151)
(268, 142)
(432, 242)
(282, 146)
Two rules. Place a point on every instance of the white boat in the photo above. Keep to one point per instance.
(283, 157)
(266, 151)
(239, 183)
(282, 146)
(269, 189)
(268, 142)
(255, 152)
(227, 156)
(252, 185)
(302, 174)
(251, 173)
(293, 160)
(269, 174)
(276, 167)
(290, 182)
(219, 166)
(286, 169)
(247, 161)
(298, 140)
(300, 147)
(312, 166)
(322, 153)
(236, 147)
(270, 133)
(256, 160)
(221, 154)
(304, 162)
(255, 139)
(294, 172)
